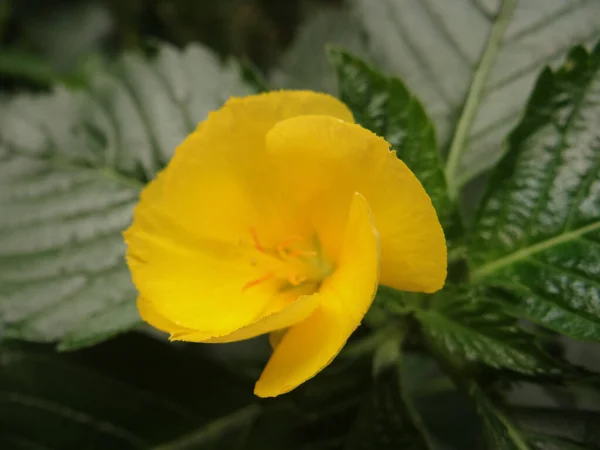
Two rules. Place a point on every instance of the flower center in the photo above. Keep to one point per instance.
(292, 262)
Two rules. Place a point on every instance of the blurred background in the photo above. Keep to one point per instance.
(42, 41)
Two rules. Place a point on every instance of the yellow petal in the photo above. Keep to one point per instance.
(194, 282)
(289, 313)
(219, 182)
(189, 244)
(296, 312)
(323, 161)
(149, 315)
(345, 297)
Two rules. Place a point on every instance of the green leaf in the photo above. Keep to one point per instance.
(500, 432)
(526, 428)
(131, 393)
(384, 106)
(388, 420)
(19, 64)
(467, 328)
(446, 412)
(559, 429)
(546, 443)
(71, 166)
(435, 47)
(538, 232)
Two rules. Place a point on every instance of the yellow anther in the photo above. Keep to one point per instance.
(295, 279)
(284, 247)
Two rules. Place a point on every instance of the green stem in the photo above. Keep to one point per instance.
(475, 94)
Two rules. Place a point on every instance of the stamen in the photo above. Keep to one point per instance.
(283, 247)
(258, 281)
(285, 252)
(296, 280)
(295, 253)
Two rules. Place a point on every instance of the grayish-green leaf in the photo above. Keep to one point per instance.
(71, 166)
(384, 106)
(434, 46)
(538, 233)
(467, 329)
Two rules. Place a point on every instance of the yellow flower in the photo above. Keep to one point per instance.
(280, 215)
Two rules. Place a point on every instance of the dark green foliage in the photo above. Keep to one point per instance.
(467, 327)
(538, 233)
(131, 393)
(386, 421)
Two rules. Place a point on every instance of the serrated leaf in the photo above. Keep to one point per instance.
(538, 232)
(384, 106)
(466, 327)
(71, 166)
(132, 393)
(435, 47)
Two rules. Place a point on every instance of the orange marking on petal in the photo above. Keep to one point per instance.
(256, 241)
(258, 281)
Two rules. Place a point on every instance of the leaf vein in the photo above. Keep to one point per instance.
(492, 266)
(572, 273)
(558, 153)
(417, 54)
(440, 26)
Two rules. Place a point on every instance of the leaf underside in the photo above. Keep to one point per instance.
(72, 164)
